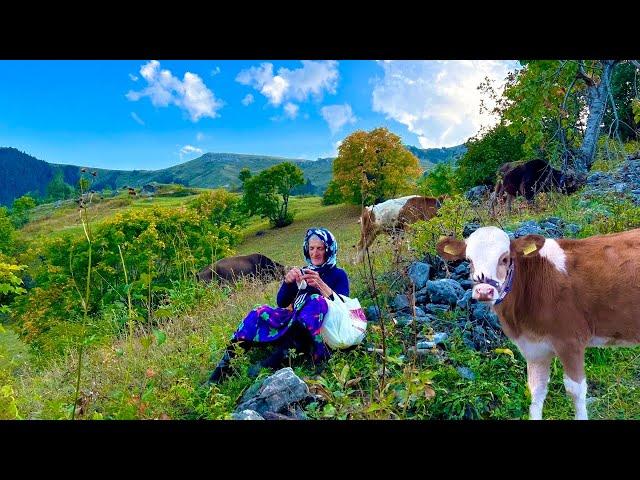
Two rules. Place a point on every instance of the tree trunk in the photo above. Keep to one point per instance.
(597, 96)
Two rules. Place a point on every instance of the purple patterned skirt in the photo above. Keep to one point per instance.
(267, 324)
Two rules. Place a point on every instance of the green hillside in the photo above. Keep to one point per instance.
(21, 173)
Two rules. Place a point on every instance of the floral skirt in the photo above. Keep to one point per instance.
(267, 324)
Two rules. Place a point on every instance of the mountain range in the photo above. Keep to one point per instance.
(21, 173)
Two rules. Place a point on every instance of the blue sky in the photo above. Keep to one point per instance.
(151, 114)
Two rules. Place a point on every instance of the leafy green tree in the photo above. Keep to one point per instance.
(57, 189)
(560, 106)
(485, 155)
(332, 195)
(20, 210)
(374, 166)
(245, 174)
(10, 283)
(6, 231)
(219, 207)
(267, 194)
(624, 89)
(441, 180)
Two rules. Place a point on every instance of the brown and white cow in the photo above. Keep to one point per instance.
(556, 297)
(393, 215)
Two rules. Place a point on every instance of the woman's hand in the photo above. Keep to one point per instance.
(313, 280)
(293, 275)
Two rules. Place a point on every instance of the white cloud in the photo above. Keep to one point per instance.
(291, 110)
(248, 100)
(314, 78)
(189, 149)
(135, 116)
(133, 77)
(437, 100)
(199, 136)
(215, 71)
(337, 116)
(336, 146)
(190, 94)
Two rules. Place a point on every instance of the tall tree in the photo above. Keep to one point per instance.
(374, 166)
(560, 105)
(20, 210)
(267, 194)
(57, 189)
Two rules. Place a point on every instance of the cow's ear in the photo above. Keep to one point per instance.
(528, 246)
(450, 248)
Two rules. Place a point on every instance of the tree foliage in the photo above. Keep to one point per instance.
(57, 189)
(20, 210)
(625, 85)
(374, 166)
(219, 207)
(441, 180)
(332, 195)
(10, 283)
(267, 194)
(560, 107)
(485, 155)
(7, 231)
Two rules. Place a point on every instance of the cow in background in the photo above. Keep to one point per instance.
(391, 216)
(231, 269)
(556, 298)
(528, 178)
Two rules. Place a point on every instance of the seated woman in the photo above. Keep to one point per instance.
(298, 327)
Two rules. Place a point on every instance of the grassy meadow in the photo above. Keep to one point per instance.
(157, 370)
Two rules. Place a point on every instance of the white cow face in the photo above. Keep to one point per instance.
(488, 251)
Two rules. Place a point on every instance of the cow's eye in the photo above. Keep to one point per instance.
(505, 260)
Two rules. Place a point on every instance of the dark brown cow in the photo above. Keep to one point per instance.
(393, 215)
(528, 178)
(231, 269)
(556, 298)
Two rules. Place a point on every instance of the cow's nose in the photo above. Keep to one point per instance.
(483, 292)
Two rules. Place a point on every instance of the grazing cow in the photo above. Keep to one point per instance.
(393, 215)
(556, 297)
(527, 179)
(231, 269)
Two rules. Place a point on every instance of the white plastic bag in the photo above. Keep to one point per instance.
(344, 324)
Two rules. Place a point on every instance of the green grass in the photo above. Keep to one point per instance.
(284, 245)
(47, 220)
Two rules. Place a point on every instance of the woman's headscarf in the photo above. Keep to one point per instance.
(330, 244)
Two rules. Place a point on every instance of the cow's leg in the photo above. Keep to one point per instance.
(366, 239)
(575, 380)
(538, 356)
(509, 199)
(492, 204)
(538, 373)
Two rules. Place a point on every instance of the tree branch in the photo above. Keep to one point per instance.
(582, 74)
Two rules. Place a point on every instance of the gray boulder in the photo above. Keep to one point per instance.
(444, 291)
(246, 415)
(401, 302)
(276, 393)
(419, 274)
(528, 228)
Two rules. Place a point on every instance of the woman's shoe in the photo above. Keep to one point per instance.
(222, 370)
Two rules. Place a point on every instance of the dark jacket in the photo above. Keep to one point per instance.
(336, 278)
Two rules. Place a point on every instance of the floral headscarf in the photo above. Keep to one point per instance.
(330, 243)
